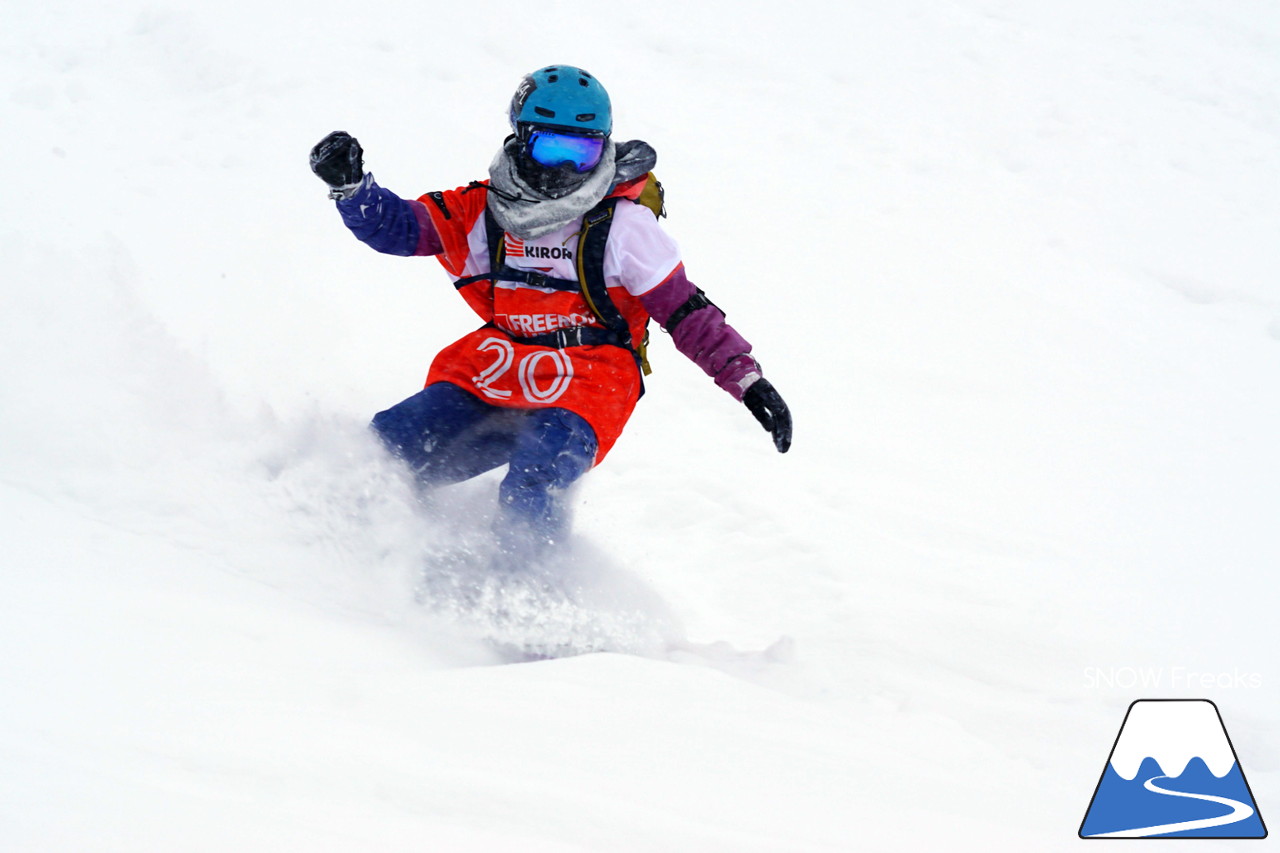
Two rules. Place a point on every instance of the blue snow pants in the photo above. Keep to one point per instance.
(447, 435)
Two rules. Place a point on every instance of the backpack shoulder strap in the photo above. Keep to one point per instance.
(591, 246)
(497, 239)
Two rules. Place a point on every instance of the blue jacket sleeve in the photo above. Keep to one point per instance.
(381, 219)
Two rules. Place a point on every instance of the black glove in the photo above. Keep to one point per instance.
(338, 159)
(766, 404)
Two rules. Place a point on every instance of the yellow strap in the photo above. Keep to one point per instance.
(643, 352)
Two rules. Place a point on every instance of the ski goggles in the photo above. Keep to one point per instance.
(550, 148)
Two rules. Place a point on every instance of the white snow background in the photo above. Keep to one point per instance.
(1015, 267)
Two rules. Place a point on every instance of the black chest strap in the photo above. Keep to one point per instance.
(577, 336)
(499, 270)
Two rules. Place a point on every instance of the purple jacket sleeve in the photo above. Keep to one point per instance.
(702, 334)
(384, 221)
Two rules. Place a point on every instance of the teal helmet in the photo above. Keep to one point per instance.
(563, 98)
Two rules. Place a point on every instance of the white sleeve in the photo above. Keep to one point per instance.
(639, 255)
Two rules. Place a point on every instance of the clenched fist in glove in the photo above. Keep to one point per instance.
(767, 405)
(338, 161)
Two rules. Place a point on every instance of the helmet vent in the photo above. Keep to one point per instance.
(582, 81)
(544, 112)
(553, 78)
(586, 116)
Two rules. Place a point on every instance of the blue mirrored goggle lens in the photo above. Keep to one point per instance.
(551, 149)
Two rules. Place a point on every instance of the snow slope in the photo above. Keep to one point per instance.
(1013, 268)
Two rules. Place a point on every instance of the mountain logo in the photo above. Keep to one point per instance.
(1172, 773)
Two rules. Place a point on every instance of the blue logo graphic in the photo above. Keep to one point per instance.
(1173, 773)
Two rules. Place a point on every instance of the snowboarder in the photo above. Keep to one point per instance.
(561, 255)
